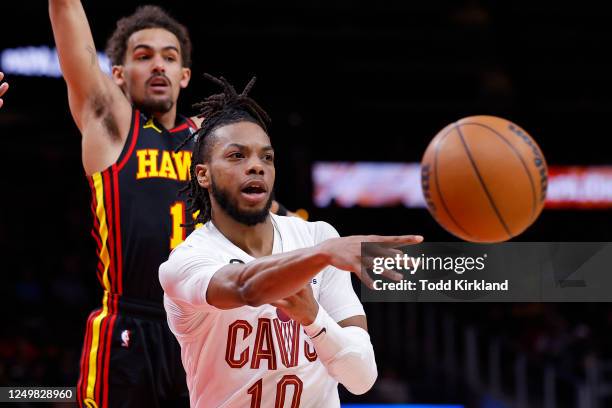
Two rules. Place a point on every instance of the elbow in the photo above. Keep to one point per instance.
(356, 370)
(365, 383)
(252, 292)
(250, 296)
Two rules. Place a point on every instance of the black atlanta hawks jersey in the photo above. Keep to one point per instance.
(137, 210)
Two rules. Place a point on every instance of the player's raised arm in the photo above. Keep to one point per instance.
(3, 88)
(98, 106)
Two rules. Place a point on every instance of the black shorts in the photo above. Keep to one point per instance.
(130, 358)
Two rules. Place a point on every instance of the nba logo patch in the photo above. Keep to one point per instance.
(125, 338)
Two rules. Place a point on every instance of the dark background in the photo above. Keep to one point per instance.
(342, 81)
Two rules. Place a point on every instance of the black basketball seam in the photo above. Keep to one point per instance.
(482, 183)
(438, 185)
(533, 191)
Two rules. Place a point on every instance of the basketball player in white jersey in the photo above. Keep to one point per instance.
(262, 305)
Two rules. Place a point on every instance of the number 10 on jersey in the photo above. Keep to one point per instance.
(281, 392)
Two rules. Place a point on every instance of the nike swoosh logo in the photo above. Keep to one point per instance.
(323, 330)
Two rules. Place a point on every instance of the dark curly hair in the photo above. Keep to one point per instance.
(146, 17)
(217, 110)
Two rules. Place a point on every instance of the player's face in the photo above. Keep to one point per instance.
(241, 170)
(152, 74)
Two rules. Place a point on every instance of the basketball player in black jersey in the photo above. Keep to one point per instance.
(3, 88)
(130, 130)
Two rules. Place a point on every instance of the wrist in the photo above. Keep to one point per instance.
(311, 317)
(323, 252)
(318, 324)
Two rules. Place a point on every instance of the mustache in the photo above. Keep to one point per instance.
(158, 75)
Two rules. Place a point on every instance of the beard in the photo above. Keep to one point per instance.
(230, 206)
(150, 105)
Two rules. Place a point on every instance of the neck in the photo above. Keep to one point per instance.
(167, 119)
(256, 240)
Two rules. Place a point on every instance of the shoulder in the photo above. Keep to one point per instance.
(202, 241)
(200, 249)
(319, 230)
(197, 121)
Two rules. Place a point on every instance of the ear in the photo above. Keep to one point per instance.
(118, 75)
(185, 77)
(203, 175)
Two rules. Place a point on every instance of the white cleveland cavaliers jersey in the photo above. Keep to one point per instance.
(248, 357)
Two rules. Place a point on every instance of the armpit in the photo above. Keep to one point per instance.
(101, 110)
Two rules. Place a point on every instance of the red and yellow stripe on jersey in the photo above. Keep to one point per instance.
(92, 389)
(107, 228)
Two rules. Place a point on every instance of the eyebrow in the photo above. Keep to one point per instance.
(241, 147)
(148, 47)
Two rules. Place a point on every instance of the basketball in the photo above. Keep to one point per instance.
(484, 179)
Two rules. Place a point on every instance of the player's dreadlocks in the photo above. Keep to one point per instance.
(217, 110)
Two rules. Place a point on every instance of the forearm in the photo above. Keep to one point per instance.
(275, 277)
(346, 352)
(200, 281)
(75, 47)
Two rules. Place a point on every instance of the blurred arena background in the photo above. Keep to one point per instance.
(349, 82)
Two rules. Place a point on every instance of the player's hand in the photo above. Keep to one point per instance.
(345, 253)
(3, 87)
(301, 306)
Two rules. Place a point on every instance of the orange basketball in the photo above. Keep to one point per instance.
(484, 179)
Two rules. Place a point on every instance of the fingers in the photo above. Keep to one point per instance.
(378, 247)
(367, 264)
(377, 250)
(382, 247)
(393, 275)
(3, 88)
(365, 278)
(401, 239)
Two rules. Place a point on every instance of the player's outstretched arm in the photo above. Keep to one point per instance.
(3, 88)
(99, 108)
(266, 279)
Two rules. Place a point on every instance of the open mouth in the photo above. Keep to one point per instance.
(254, 191)
(159, 83)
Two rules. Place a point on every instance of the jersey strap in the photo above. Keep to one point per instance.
(131, 140)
